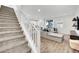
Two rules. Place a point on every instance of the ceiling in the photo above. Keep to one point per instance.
(49, 10)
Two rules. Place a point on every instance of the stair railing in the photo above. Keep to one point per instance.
(35, 33)
(31, 31)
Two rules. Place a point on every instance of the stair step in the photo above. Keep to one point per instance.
(8, 18)
(2, 15)
(5, 19)
(19, 49)
(9, 29)
(8, 21)
(11, 43)
(11, 38)
(9, 25)
(6, 13)
(8, 34)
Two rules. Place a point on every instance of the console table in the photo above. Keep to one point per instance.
(52, 36)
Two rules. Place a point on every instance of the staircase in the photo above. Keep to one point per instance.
(12, 39)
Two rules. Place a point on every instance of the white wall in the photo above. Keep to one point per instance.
(49, 10)
(67, 25)
(64, 12)
(77, 11)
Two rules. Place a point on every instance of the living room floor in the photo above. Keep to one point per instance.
(50, 46)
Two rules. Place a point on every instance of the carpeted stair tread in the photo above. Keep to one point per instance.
(9, 25)
(11, 34)
(19, 49)
(10, 44)
(9, 29)
(10, 38)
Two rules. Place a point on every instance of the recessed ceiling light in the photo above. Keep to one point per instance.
(38, 10)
